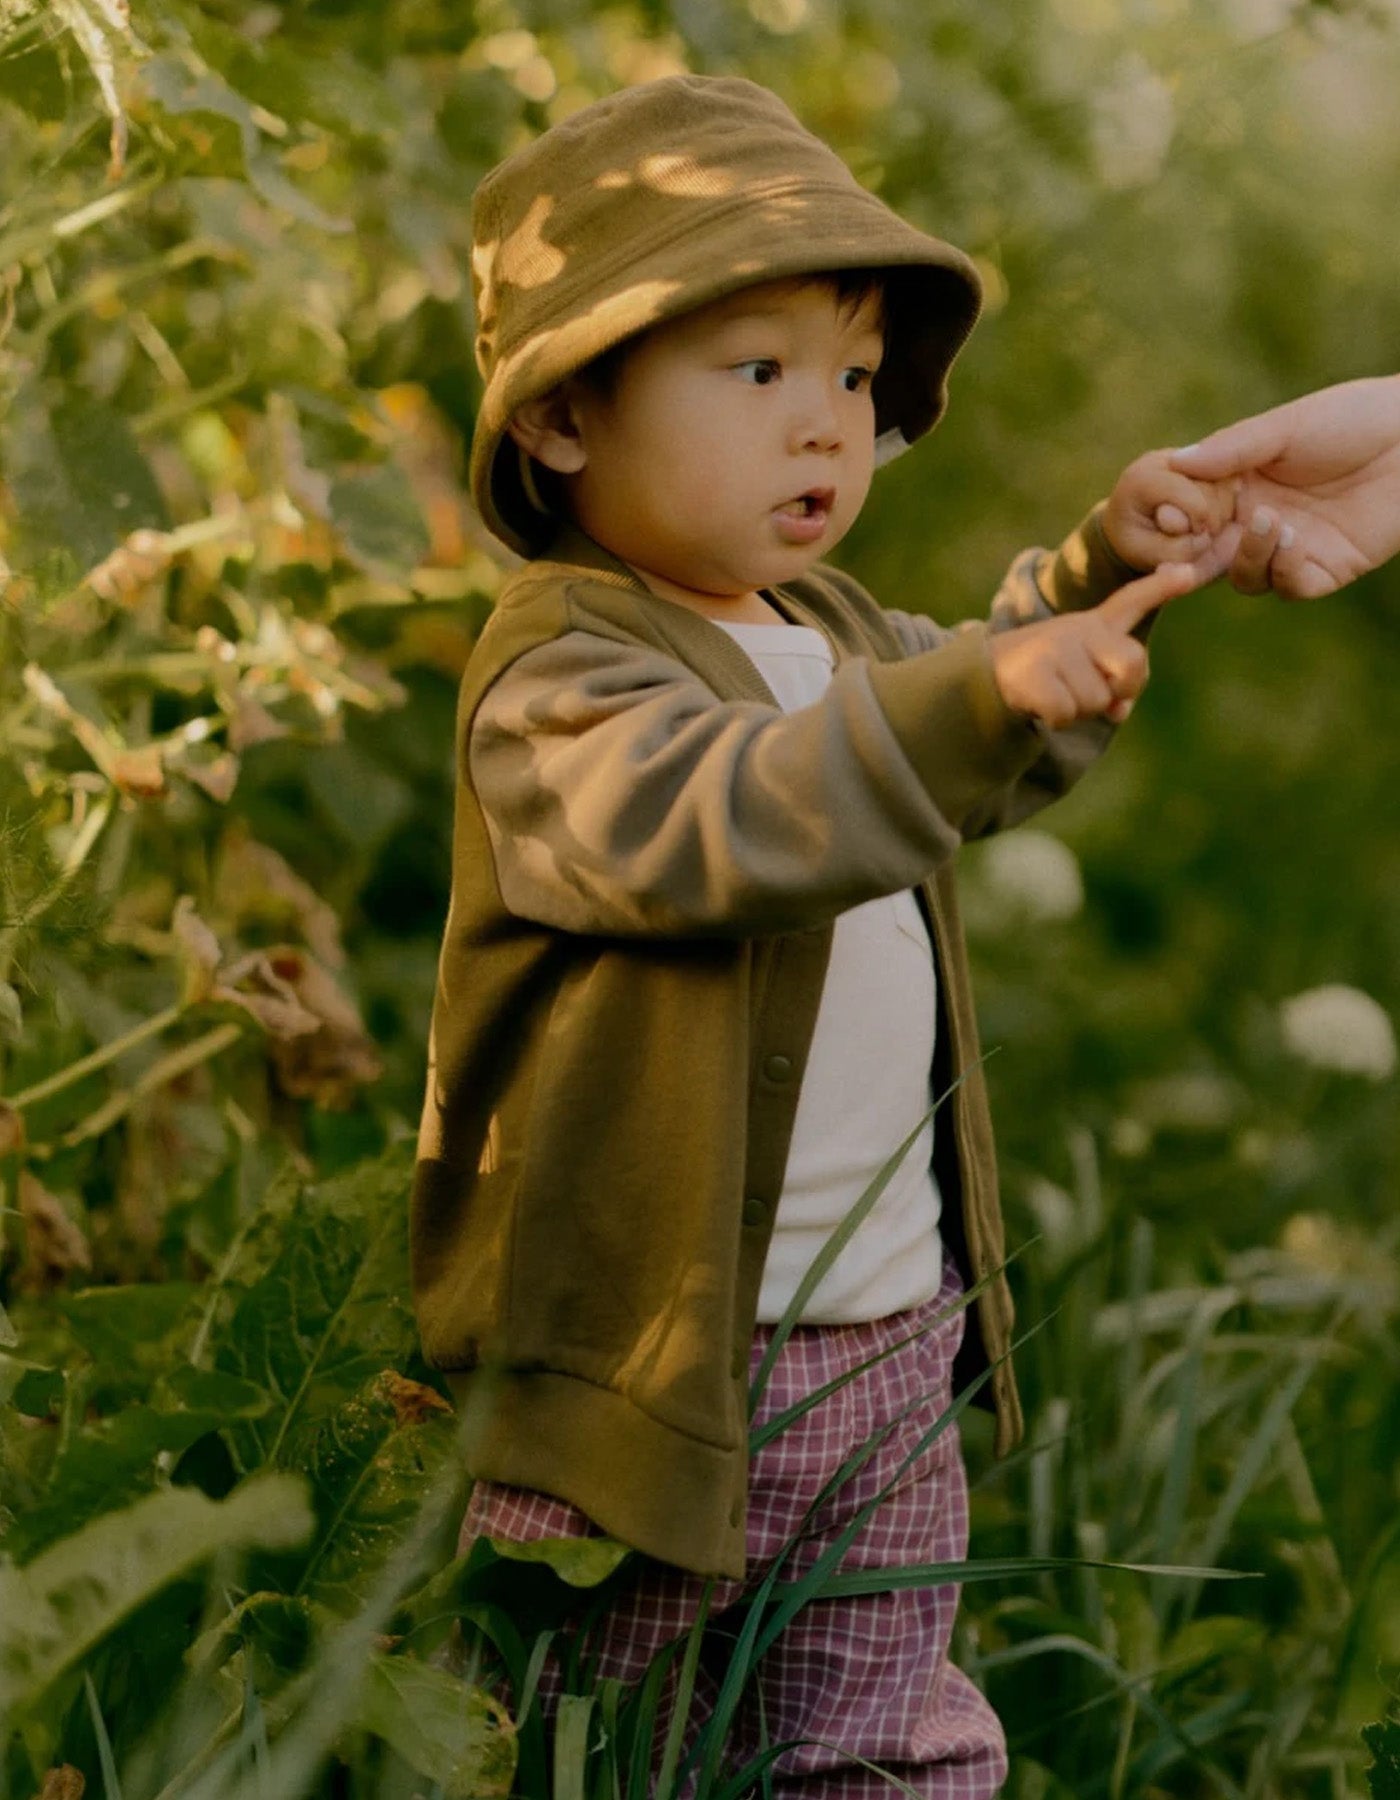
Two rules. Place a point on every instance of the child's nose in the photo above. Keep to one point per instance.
(818, 422)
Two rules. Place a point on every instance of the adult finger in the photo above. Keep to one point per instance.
(1131, 604)
(1262, 536)
(1234, 449)
(1293, 575)
(1218, 554)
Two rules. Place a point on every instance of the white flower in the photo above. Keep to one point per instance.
(1339, 1027)
(1032, 876)
(1131, 125)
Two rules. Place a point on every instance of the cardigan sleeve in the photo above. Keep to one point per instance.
(1082, 573)
(622, 797)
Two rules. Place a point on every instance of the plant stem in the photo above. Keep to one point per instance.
(54, 1084)
(188, 1056)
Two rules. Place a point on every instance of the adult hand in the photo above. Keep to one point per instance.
(1318, 502)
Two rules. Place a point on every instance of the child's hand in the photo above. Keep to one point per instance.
(1086, 665)
(1156, 515)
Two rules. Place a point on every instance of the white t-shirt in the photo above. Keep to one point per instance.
(866, 1084)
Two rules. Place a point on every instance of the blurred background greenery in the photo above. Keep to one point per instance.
(240, 578)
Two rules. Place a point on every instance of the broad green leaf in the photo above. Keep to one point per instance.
(54, 1612)
(331, 88)
(134, 1322)
(379, 519)
(328, 1312)
(281, 1628)
(582, 1562)
(370, 1465)
(455, 1735)
(106, 1462)
(78, 477)
(182, 87)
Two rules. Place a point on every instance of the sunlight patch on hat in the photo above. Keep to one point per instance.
(524, 258)
(683, 176)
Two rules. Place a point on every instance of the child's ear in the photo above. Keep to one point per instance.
(548, 429)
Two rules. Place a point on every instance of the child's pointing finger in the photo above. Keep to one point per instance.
(1127, 608)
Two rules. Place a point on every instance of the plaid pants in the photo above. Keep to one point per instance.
(864, 1676)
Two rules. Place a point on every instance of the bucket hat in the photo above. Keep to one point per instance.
(655, 201)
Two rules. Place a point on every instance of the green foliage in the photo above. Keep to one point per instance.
(238, 579)
(1383, 1741)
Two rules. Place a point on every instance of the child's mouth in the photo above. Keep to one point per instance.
(804, 518)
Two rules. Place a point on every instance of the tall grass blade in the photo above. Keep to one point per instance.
(645, 1707)
(1069, 1645)
(1005, 1568)
(610, 1691)
(760, 1769)
(571, 1723)
(1176, 1481)
(111, 1787)
(255, 1732)
(1126, 1488)
(680, 1715)
(1246, 1472)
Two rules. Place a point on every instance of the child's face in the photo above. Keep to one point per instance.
(736, 445)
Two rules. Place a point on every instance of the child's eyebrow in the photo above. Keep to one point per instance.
(858, 325)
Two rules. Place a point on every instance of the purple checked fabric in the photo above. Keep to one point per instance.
(861, 1677)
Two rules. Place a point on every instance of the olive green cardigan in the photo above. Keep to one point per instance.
(648, 857)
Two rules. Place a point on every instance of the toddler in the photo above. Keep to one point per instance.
(702, 971)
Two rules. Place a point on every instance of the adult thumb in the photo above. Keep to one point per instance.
(1232, 450)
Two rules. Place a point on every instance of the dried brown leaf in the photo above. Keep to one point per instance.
(131, 567)
(256, 885)
(138, 771)
(63, 1783)
(11, 1129)
(254, 985)
(412, 1401)
(329, 1065)
(217, 777)
(53, 1244)
(198, 949)
(251, 723)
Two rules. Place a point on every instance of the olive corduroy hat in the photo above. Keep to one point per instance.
(662, 198)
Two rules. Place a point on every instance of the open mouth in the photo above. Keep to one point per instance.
(815, 502)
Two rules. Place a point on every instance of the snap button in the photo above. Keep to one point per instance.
(778, 1068)
(755, 1211)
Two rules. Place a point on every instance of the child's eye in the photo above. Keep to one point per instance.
(857, 378)
(759, 370)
